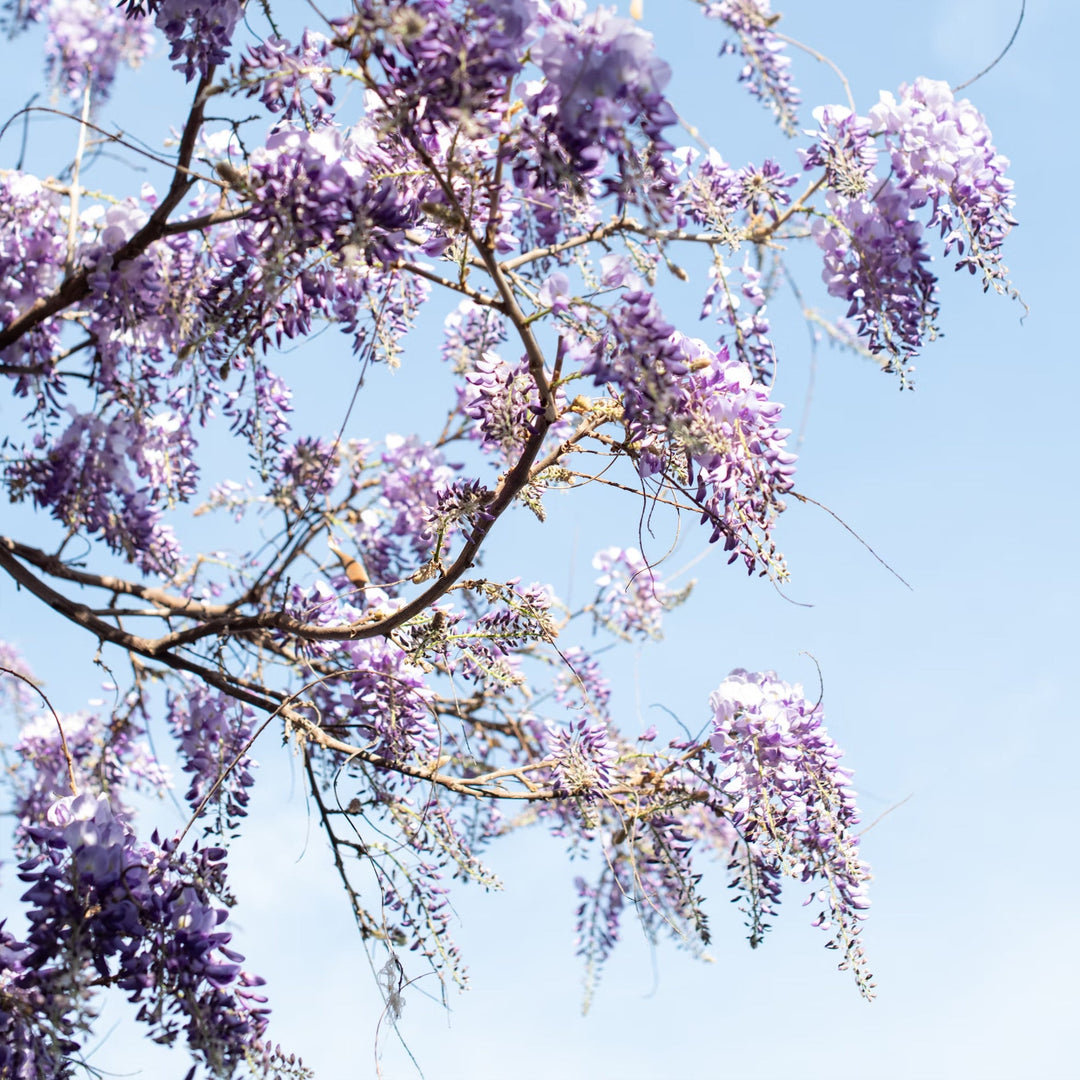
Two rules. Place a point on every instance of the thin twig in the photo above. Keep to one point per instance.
(60, 727)
(73, 210)
(1001, 55)
(823, 59)
(838, 518)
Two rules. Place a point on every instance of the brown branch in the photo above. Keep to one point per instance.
(55, 567)
(82, 616)
(456, 286)
(262, 698)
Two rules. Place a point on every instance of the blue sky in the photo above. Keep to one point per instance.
(954, 700)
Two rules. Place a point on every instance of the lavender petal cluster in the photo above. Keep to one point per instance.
(281, 73)
(732, 431)
(602, 84)
(87, 41)
(599, 914)
(791, 800)
(696, 416)
(580, 684)
(469, 332)
(641, 355)
(107, 758)
(385, 701)
(375, 692)
(632, 600)
(502, 400)
(35, 1022)
(106, 908)
(313, 189)
(582, 760)
(33, 248)
(308, 469)
(212, 734)
(844, 147)
(767, 69)
(396, 532)
(84, 479)
(875, 258)
(445, 66)
(746, 332)
(943, 154)
(731, 202)
(261, 415)
(199, 32)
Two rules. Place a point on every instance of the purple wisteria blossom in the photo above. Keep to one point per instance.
(143, 917)
(199, 31)
(942, 154)
(86, 481)
(386, 703)
(602, 85)
(307, 469)
(280, 74)
(87, 41)
(844, 148)
(106, 758)
(875, 258)
(632, 600)
(469, 332)
(32, 252)
(690, 410)
(580, 684)
(443, 69)
(581, 760)
(502, 169)
(212, 734)
(767, 69)
(396, 533)
(792, 804)
(313, 188)
(743, 316)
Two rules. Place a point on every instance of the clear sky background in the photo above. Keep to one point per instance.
(955, 701)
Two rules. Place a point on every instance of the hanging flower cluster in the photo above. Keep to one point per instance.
(632, 601)
(942, 153)
(792, 804)
(138, 916)
(767, 69)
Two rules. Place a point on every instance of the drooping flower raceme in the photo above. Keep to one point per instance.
(581, 685)
(106, 758)
(581, 759)
(33, 248)
(87, 41)
(942, 153)
(875, 258)
(602, 83)
(791, 802)
(199, 31)
(212, 734)
(766, 71)
(313, 188)
(511, 157)
(105, 907)
(280, 74)
(632, 600)
(844, 148)
(695, 415)
(85, 480)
